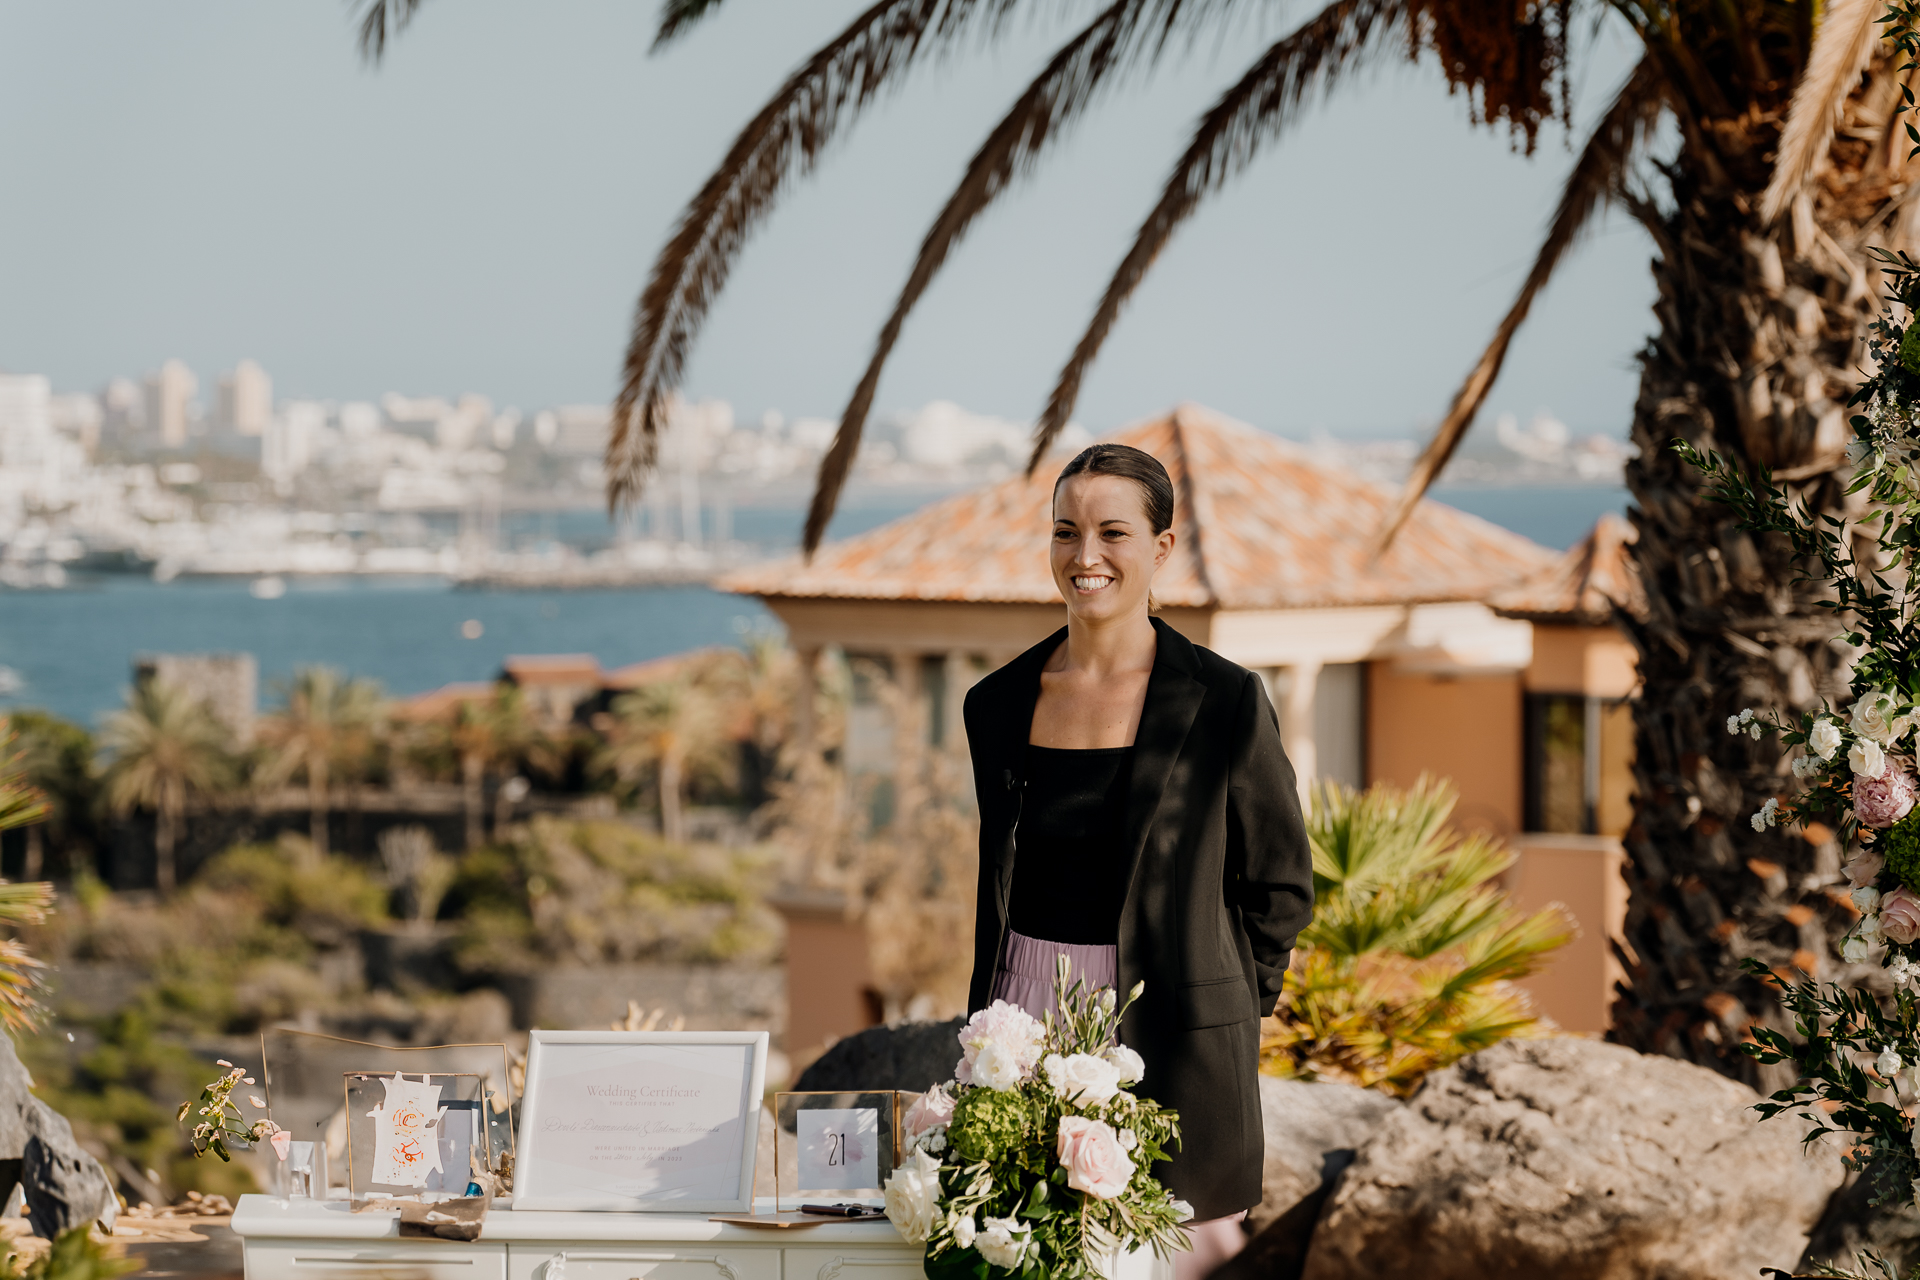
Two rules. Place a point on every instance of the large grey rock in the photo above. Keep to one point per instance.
(64, 1186)
(914, 1056)
(1312, 1131)
(1577, 1160)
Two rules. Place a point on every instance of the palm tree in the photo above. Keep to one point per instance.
(1784, 165)
(56, 760)
(665, 725)
(483, 734)
(164, 749)
(326, 726)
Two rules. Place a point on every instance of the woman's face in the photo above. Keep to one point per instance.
(1104, 549)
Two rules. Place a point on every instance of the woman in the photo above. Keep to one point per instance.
(1138, 814)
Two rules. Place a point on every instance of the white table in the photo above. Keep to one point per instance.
(324, 1240)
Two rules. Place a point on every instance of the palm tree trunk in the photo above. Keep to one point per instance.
(317, 805)
(166, 826)
(672, 820)
(1760, 339)
(36, 852)
(471, 769)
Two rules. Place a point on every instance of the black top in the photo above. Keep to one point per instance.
(1068, 867)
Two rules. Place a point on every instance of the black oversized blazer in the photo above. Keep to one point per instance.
(1219, 882)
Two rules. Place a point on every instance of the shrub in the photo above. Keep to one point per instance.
(1408, 962)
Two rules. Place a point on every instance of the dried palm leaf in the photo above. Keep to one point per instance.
(1251, 113)
(1842, 47)
(1113, 42)
(676, 16)
(782, 141)
(1595, 180)
(380, 19)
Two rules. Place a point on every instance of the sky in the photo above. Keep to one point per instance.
(223, 179)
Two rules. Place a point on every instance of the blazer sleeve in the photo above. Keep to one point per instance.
(1269, 862)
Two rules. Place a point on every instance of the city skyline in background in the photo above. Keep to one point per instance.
(228, 182)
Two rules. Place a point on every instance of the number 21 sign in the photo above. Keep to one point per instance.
(839, 1148)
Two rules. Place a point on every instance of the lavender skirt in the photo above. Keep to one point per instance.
(1025, 974)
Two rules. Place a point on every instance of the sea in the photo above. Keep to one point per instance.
(71, 651)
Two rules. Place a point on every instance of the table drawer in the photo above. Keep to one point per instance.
(899, 1262)
(648, 1261)
(375, 1260)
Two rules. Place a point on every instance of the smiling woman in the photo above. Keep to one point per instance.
(1138, 816)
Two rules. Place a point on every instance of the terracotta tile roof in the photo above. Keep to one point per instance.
(1260, 526)
(438, 702)
(1586, 583)
(552, 668)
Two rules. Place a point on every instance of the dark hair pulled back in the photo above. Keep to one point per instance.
(1128, 463)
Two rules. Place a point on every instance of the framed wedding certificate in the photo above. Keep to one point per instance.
(639, 1121)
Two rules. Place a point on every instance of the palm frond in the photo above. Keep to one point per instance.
(678, 16)
(1125, 35)
(781, 142)
(381, 19)
(1595, 179)
(1842, 47)
(1249, 115)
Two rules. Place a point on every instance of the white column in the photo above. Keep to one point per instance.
(1296, 723)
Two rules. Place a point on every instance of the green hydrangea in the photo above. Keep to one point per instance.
(1910, 349)
(988, 1123)
(1901, 848)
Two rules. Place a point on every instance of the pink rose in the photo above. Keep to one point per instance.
(1864, 868)
(1090, 1153)
(929, 1111)
(1880, 802)
(1900, 915)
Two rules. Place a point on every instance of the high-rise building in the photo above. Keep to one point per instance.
(170, 395)
(246, 400)
(286, 447)
(26, 423)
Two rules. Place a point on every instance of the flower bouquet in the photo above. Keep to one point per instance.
(1035, 1160)
(224, 1123)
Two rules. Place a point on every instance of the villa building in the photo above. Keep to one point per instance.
(1466, 652)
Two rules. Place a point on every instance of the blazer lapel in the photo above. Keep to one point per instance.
(1173, 700)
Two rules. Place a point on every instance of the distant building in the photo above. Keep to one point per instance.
(246, 400)
(228, 683)
(26, 421)
(169, 397)
(288, 444)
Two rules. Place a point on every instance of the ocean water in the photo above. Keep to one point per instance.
(72, 650)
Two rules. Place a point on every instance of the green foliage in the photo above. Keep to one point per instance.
(989, 1123)
(1406, 965)
(74, 1255)
(321, 901)
(1901, 845)
(597, 892)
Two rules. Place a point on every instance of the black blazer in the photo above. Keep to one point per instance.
(1219, 883)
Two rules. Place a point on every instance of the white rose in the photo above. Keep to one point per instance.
(913, 1196)
(1824, 739)
(1183, 1210)
(964, 1231)
(1132, 1069)
(1733, 724)
(1129, 1139)
(1866, 759)
(1888, 1063)
(998, 1066)
(1003, 1242)
(1873, 716)
(1870, 932)
(1082, 1078)
(1867, 898)
(1803, 765)
(1853, 950)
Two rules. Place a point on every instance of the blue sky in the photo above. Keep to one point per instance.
(218, 179)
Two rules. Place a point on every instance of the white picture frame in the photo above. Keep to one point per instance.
(605, 1112)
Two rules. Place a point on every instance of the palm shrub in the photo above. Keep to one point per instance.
(1408, 963)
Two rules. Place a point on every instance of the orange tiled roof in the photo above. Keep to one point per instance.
(1586, 583)
(1260, 526)
(438, 702)
(552, 668)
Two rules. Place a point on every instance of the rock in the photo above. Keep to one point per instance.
(1578, 1160)
(64, 1186)
(1851, 1225)
(913, 1056)
(1312, 1132)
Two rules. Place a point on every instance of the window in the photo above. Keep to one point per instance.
(1579, 764)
